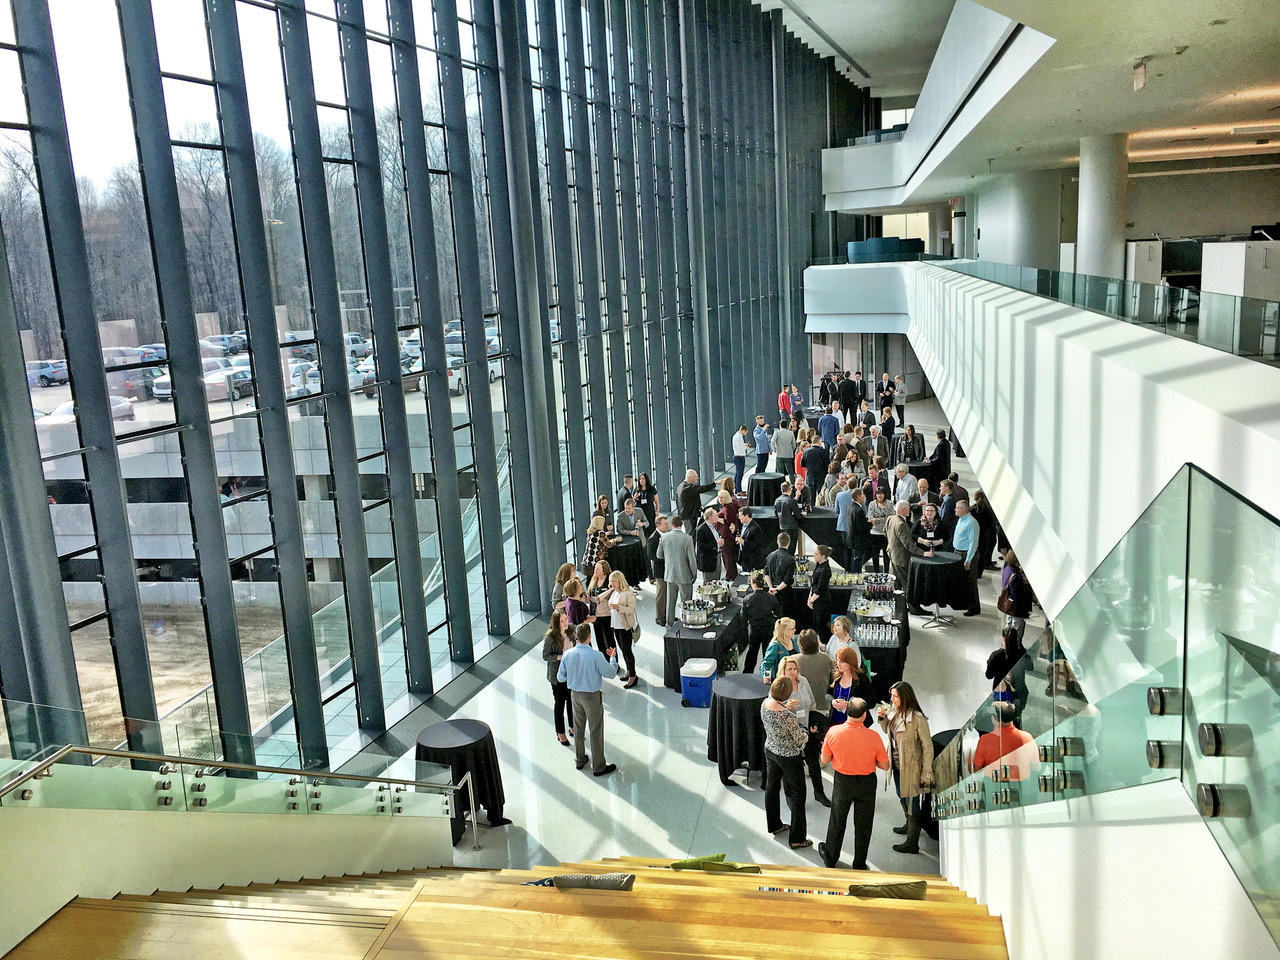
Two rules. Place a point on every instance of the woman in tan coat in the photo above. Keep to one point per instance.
(622, 619)
(911, 753)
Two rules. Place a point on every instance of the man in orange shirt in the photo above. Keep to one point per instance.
(1006, 746)
(855, 752)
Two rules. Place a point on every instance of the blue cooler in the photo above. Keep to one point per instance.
(696, 678)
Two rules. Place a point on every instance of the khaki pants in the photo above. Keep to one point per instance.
(660, 603)
(588, 708)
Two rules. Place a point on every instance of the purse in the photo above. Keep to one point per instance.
(1004, 604)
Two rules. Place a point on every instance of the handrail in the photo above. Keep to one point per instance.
(37, 771)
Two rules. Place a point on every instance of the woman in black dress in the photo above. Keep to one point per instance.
(646, 498)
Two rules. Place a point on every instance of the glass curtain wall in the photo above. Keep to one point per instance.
(337, 316)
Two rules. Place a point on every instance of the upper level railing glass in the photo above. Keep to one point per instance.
(1243, 326)
(1165, 665)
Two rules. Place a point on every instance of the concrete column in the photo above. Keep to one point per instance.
(1104, 180)
(1020, 218)
(940, 223)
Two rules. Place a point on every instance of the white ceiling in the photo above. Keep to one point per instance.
(893, 40)
(1226, 78)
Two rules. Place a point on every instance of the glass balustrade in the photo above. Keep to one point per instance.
(1243, 326)
(1165, 665)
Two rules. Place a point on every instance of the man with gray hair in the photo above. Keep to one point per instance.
(901, 546)
(689, 497)
(877, 446)
(904, 484)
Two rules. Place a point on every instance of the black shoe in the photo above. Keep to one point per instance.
(823, 799)
(973, 613)
(860, 866)
(607, 769)
(907, 847)
(918, 611)
(901, 831)
(580, 764)
(827, 861)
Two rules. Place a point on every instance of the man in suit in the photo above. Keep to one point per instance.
(860, 444)
(707, 544)
(787, 511)
(848, 395)
(658, 569)
(901, 546)
(865, 416)
(689, 497)
(877, 446)
(844, 507)
(780, 572)
(753, 542)
(960, 492)
(887, 424)
(676, 551)
(940, 459)
(920, 497)
(875, 478)
(815, 461)
(947, 505)
(626, 492)
(861, 389)
(884, 392)
(861, 543)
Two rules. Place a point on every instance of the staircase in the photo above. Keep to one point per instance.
(450, 913)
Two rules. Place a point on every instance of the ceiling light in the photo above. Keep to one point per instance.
(1254, 129)
(1225, 149)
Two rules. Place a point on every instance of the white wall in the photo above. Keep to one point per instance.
(1134, 873)
(50, 856)
(1072, 421)
(1020, 216)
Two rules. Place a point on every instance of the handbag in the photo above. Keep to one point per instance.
(1004, 603)
(635, 633)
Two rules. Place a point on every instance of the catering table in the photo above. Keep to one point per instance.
(467, 746)
(735, 732)
(629, 559)
(819, 525)
(681, 643)
(887, 662)
(764, 488)
(940, 581)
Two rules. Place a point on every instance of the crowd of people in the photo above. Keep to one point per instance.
(819, 708)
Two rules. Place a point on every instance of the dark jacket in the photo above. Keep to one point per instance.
(815, 462)
(788, 513)
(780, 567)
(706, 549)
(659, 566)
(860, 539)
(942, 457)
(849, 398)
(689, 499)
(947, 509)
(1020, 594)
(761, 610)
(755, 546)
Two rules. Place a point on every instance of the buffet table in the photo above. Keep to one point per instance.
(681, 643)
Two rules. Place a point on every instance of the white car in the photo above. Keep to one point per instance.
(357, 346)
(216, 372)
(302, 378)
(121, 409)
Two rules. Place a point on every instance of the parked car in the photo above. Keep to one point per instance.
(135, 384)
(149, 354)
(453, 345)
(46, 372)
(210, 349)
(159, 349)
(299, 380)
(410, 373)
(306, 345)
(120, 356)
(229, 345)
(241, 338)
(121, 409)
(216, 371)
(457, 376)
(412, 345)
(355, 376)
(358, 346)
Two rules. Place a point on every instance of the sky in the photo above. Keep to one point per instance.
(95, 93)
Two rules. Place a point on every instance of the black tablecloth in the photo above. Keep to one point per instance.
(763, 489)
(819, 525)
(929, 471)
(940, 579)
(681, 643)
(735, 732)
(466, 746)
(629, 559)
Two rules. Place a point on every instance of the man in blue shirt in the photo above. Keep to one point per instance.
(828, 428)
(761, 434)
(584, 668)
(964, 541)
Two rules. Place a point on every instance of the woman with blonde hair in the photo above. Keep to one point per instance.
(577, 609)
(622, 619)
(727, 526)
(842, 636)
(782, 645)
(566, 573)
(555, 642)
(598, 543)
(598, 591)
(911, 756)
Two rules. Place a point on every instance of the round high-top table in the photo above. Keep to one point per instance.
(629, 559)
(939, 581)
(764, 488)
(735, 732)
(467, 746)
